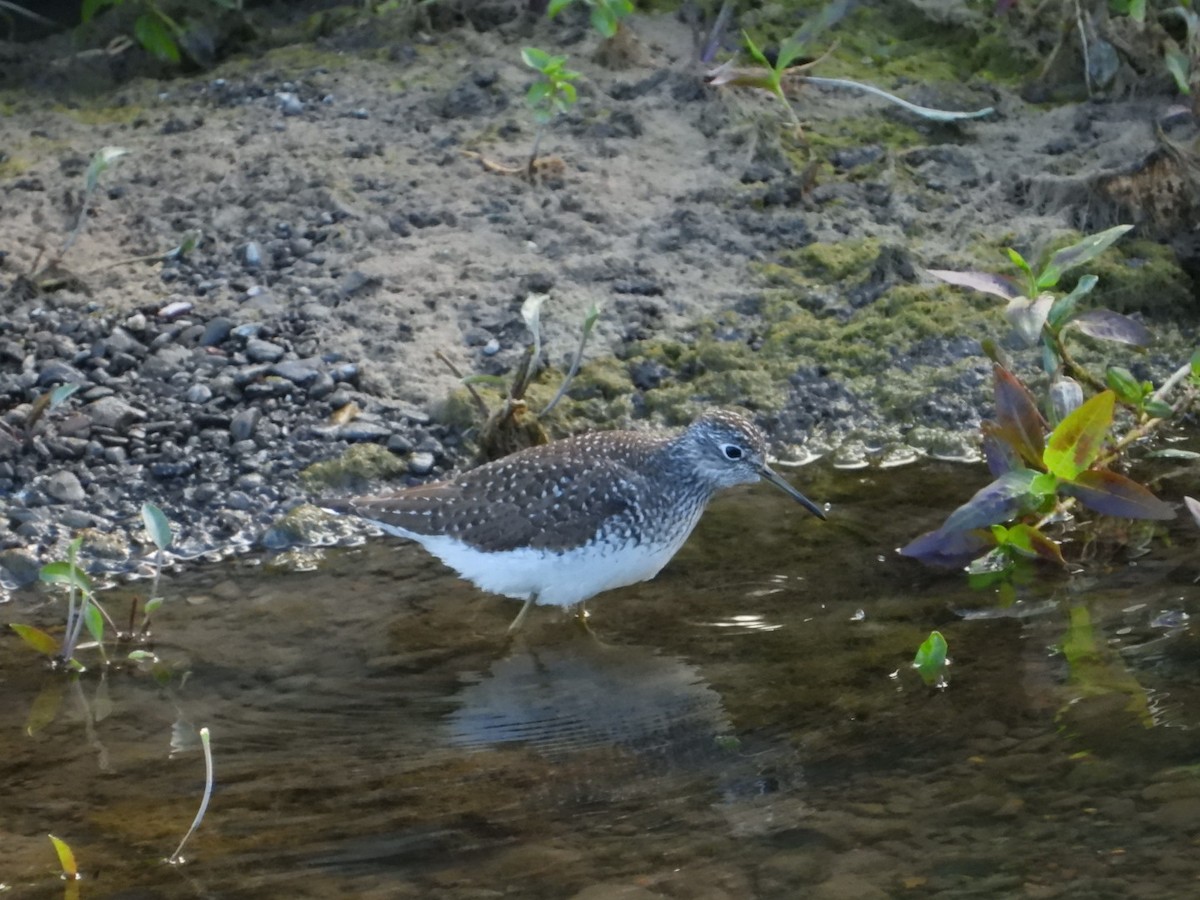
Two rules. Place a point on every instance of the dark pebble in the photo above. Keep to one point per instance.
(242, 426)
(261, 351)
(216, 331)
(296, 372)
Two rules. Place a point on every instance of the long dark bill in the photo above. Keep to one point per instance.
(776, 479)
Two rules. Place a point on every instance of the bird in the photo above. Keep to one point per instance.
(558, 523)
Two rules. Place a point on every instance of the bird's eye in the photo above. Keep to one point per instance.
(732, 451)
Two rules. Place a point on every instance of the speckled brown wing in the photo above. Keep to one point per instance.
(553, 498)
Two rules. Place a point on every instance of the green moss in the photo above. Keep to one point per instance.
(1141, 276)
(833, 261)
(100, 115)
(360, 465)
(12, 166)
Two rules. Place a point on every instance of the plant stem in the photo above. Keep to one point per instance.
(175, 858)
(1075, 368)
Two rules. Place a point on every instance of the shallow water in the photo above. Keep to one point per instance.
(746, 725)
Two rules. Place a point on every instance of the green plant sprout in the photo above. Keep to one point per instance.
(930, 660)
(84, 609)
(776, 76)
(549, 96)
(1181, 62)
(508, 428)
(159, 530)
(1039, 317)
(606, 15)
(175, 859)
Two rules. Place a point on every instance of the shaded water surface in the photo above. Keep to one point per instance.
(746, 725)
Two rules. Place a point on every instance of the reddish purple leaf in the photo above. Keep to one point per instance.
(996, 285)
(1106, 325)
(1020, 423)
(951, 549)
(962, 536)
(998, 449)
(1115, 495)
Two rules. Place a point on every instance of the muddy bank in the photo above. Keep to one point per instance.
(349, 231)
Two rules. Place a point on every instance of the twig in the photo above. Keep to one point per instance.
(483, 410)
(1087, 64)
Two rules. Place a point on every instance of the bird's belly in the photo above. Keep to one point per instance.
(558, 579)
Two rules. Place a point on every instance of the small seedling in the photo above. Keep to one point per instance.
(175, 859)
(930, 661)
(550, 95)
(159, 530)
(606, 15)
(775, 76)
(66, 858)
(1038, 316)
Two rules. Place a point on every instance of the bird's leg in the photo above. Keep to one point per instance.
(519, 621)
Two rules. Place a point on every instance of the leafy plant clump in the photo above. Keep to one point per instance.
(1046, 459)
(548, 97)
(84, 610)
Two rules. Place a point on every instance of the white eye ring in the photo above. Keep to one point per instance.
(732, 451)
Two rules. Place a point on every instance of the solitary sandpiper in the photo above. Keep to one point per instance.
(562, 522)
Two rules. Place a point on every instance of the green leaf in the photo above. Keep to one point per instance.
(1157, 409)
(1127, 388)
(65, 572)
(93, 620)
(1078, 440)
(157, 526)
(1029, 541)
(153, 605)
(759, 56)
(1194, 363)
(1019, 261)
(66, 858)
(538, 93)
(930, 661)
(1044, 486)
(1077, 254)
(37, 639)
(789, 51)
(1115, 495)
(557, 6)
(1178, 65)
(156, 38)
(1064, 307)
(604, 20)
(535, 58)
